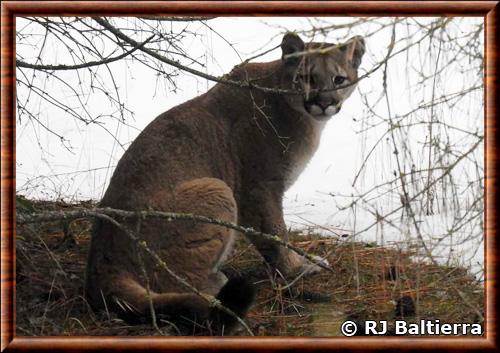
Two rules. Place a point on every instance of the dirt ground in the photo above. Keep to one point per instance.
(369, 282)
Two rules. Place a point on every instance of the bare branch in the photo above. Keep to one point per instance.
(21, 63)
(56, 215)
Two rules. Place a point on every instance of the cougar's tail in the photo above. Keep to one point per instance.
(190, 313)
(238, 294)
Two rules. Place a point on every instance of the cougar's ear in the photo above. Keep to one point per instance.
(291, 44)
(354, 49)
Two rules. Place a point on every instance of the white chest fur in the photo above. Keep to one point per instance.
(302, 151)
(296, 168)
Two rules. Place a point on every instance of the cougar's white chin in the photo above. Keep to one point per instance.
(332, 110)
(319, 114)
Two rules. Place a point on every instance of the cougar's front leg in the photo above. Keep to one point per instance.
(262, 210)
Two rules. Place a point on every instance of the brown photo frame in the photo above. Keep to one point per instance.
(11, 9)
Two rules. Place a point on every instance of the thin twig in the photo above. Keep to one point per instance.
(20, 63)
(96, 212)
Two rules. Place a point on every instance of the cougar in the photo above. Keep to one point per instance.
(229, 154)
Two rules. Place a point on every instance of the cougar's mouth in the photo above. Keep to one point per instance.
(321, 113)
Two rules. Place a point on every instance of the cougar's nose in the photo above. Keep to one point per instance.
(325, 102)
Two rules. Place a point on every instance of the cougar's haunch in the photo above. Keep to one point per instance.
(229, 154)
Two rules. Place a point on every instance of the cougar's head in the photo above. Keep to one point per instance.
(325, 73)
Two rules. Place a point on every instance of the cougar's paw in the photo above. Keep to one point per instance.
(294, 264)
(311, 267)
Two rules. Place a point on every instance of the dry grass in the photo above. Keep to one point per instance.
(366, 283)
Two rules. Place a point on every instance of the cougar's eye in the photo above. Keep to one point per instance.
(338, 80)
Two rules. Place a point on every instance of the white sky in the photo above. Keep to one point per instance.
(332, 170)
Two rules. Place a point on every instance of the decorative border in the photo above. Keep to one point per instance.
(10, 9)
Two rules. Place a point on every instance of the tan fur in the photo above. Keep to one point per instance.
(218, 156)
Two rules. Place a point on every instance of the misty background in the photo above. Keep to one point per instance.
(400, 165)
